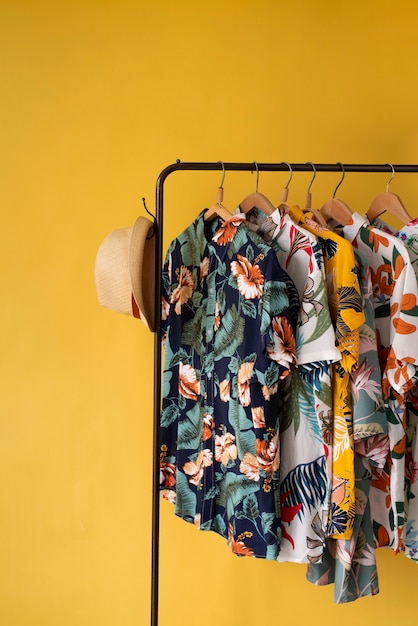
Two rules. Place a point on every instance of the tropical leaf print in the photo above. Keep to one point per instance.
(349, 298)
(243, 428)
(232, 491)
(250, 507)
(169, 415)
(339, 520)
(192, 332)
(190, 429)
(306, 484)
(322, 321)
(299, 241)
(275, 300)
(329, 247)
(361, 379)
(230, 334)
(185, 498)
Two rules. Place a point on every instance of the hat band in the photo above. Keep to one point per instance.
(135, 309)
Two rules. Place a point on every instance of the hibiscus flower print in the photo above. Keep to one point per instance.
(225, 448)
(249, 467)
(167, 470)
(184, 289)
(224, 390)
(284, 348)
(244, 374)
(227, 230)
(208, 426)
(195, 469)
(267, 459)
(169, 495)
(167, 474)
(257, 413)
(189, 385)
(249, 277)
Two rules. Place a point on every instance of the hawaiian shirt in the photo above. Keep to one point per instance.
(396, 311)
(409, 237)
(305, 483)
(351, 563)
(344, 298)
(228, 345)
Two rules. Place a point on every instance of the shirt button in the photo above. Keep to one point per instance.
(209, 375)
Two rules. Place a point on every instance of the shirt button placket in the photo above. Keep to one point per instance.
(207, 505)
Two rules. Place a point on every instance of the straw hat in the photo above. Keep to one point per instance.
(125, 271)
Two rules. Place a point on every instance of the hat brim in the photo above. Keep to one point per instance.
(142, 269)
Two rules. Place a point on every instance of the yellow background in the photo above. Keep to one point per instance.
(96, 98)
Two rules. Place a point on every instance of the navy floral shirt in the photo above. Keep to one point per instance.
(228, 344)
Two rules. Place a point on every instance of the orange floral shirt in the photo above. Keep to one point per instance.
(228, 344)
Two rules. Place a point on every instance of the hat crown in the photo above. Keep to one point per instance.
(125, 271)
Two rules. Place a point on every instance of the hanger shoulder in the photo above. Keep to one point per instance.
(390, 202)
(338, 210)
(257, 200)
(218, 209)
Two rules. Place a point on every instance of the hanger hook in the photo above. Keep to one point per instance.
(342, 178)
(223, 174)
(391, 178)
(258, 174)
(308, 203)
(313, 177)
(291, 174)
(285, 190)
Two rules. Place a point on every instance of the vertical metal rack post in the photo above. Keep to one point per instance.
(210, 166)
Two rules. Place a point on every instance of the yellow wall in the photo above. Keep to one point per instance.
(96, 98)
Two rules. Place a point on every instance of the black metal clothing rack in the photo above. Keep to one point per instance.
(211, 166)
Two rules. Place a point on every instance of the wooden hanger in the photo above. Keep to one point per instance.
(308, 203)
(390, 202)
(337, 209)
(218, 209)
(257, 200)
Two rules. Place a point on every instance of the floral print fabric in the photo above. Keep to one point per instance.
(346, 310)
(351, 563)
(408, 235)
(305, 439)
(251, 411)
(396, 314)
(228, 345)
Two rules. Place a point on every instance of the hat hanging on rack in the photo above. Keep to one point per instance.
(125, 271)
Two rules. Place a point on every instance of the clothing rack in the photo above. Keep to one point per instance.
(212, 166)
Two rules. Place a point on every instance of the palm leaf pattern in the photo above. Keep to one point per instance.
(306, 484)
(349, 298)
